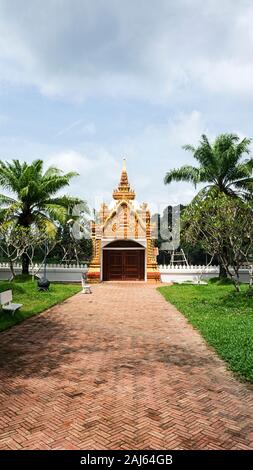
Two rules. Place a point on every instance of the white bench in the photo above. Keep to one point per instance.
(86, 289)
(6, 302)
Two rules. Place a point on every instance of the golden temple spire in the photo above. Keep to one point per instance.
(124, 178)
(123, 191)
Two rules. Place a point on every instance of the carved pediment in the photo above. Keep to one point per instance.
(124, 222)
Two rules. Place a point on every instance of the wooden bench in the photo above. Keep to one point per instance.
(6, 302)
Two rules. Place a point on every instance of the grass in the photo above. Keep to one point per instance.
(223, 317)
(25, 292)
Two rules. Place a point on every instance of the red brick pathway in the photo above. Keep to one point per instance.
(120, 368)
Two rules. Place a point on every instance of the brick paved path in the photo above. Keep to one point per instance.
(120, 368)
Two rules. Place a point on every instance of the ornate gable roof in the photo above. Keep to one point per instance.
(124, 221)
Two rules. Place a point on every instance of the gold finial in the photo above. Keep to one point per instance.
(124, 165)
(123, 191)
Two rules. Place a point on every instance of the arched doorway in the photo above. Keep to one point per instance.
(123, 260)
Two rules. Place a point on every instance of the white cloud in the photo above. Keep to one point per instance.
(226, 76)
(156, 150)
(149, 50)
(186, 128)
(150, 154)
(189, 60)
(98, 173)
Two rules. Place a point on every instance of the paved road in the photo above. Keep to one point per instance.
(118, 369)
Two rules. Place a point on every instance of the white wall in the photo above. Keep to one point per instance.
(193, 273)
(57, 273)
(72, 273)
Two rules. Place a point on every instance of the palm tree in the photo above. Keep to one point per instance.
(221, 166)
(33, 199)
(221, 169)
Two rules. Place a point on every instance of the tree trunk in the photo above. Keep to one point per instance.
(25, 264)
(222, 272)
(237, 280)
(237, 284)
(12, 269)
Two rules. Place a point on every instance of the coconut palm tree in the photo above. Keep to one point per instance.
(221, 166)
(32, 196)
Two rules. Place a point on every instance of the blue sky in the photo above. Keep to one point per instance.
(85, 83)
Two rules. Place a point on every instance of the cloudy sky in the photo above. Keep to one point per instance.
(84, 83)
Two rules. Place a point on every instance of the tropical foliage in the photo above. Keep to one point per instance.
(15, 241)
(68, 248)
(223, 227)
(32, 198)
(223, 170)
(221, 165)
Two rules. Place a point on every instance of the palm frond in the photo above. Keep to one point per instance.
(36, 193)
(6, 200)
(52, 171)
(50, 186)
(220, 165)
(67, 201)
(243, 146)
(43, 221)
(205, 155)
(189, 148)
(185, 173)
(56, 212)
(8, 178)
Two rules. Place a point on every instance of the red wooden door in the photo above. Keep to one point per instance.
(131, 265)
(123, 265)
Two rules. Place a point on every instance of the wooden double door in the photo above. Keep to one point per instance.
(123, 265)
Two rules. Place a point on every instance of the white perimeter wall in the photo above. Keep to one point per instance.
(195, 273)
(57, 273)
(72, 273)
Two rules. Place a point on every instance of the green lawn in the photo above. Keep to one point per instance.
(25, 292)
(224, 318)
